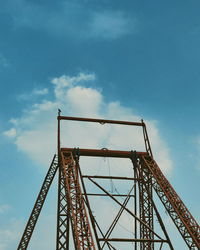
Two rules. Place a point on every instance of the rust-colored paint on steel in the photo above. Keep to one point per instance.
(77, 208)
(74, 207)
(103, 152)
(101, 121)
(182, 218)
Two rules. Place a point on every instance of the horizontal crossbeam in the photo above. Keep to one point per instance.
(102, 152)
(101, 121)
(110, 177)
(118, 195)
(132, 240)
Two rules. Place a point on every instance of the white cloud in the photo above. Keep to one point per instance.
(40, 91)
(64, 82)
(13, 121)
(84, 100)
(35, 131)
(75, 19)
(111, 25)
(34, 94)
(11, 132)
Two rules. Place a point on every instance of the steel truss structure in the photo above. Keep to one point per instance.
(76, 220)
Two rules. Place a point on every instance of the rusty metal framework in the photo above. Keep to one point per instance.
(62, 241)
(77, 210)
(146, 207)
(77, 224)
(182, 218)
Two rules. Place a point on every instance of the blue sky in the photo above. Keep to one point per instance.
(112, 59)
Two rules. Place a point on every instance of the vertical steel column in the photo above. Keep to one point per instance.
(76, 156)
(81, 229)
(136, 180)
(135, 205)
(62, 242)
(145, 204)
(146, 208)
(62, 239)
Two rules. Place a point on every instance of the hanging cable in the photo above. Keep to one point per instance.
(125, 229)
(111, 181)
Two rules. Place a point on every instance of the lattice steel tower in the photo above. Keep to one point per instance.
(79, 227)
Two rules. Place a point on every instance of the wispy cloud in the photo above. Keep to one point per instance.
(33, 94)
(9, 234)
(11, 132)
(40, 91)
(38, 124)
(73, 19)
(195, 155)
(4, 208)
(111, 25)
(3, 61)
